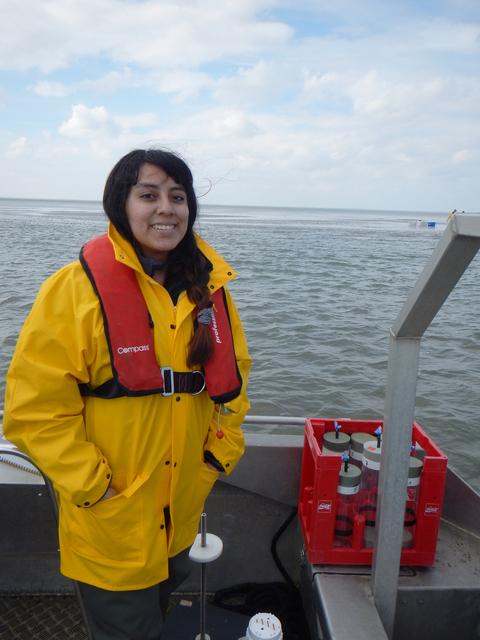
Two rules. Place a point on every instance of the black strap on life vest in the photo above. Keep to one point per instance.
(130, 342)
(192, 382)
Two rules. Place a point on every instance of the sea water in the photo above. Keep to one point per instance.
(317, 291)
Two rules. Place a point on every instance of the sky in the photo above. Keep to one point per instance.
(363, 104)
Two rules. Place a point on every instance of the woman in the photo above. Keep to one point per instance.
(106, 394)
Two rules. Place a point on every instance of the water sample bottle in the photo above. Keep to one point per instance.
(334, 441)
(368, 494)
(348, 488)
(357, 440)
(413, 491)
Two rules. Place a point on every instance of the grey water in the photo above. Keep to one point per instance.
(317, 291)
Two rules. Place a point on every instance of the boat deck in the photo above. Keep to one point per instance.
(42, 617)
(440, 602)
(246, 510)
(58, 617)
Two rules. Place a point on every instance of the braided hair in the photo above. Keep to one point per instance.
(185, 259)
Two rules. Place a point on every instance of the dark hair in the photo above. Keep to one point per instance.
(186, 259)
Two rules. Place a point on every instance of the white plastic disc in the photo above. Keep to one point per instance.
(264, 626)
(211, 552)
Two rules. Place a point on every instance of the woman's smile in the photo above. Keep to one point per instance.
(163, 227)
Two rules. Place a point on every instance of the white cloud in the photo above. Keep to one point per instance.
(17, 148)
(90, 123)
(138, 120)
(372, 94)
(234, 123)
(317, 83)
(109, 83)
(151, 34)
(262, 82)
(51, 89)
(443, 35)
(184, 83)
(3, 97)
(466, 156)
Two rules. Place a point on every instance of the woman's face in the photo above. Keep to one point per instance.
(157, 211)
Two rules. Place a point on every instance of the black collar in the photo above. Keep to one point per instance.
(150, 265)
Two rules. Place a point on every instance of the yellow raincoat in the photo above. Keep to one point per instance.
(150, 447)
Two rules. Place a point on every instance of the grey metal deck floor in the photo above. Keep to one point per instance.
(40, 618)
(53, 617)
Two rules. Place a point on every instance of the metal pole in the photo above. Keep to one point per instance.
(392, 491)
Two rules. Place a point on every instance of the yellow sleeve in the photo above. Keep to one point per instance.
(229, 449)
(44, 411)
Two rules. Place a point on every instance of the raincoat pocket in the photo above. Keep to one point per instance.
(200, 490)
(111, 531)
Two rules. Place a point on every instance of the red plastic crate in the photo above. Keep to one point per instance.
(318, 498)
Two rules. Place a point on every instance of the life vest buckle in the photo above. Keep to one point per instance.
(197, 372)
(168, 381)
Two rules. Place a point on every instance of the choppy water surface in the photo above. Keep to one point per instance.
(317, 291)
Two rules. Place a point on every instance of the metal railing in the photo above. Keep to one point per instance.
(300, 422)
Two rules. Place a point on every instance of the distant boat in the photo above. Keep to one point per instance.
(422, 223)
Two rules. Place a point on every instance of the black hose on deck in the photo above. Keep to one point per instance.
(282, 599)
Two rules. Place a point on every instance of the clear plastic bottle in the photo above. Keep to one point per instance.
(347, 499)
(368, 494)
(413, 491)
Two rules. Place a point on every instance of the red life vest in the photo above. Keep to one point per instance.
(128, 325)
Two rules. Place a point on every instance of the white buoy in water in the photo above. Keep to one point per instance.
(264, 626)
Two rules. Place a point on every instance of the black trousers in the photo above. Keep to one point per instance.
(133, 615)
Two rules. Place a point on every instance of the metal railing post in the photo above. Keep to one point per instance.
(392, 490)
(455, 250)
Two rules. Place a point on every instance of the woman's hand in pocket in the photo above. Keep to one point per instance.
(109, 493)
